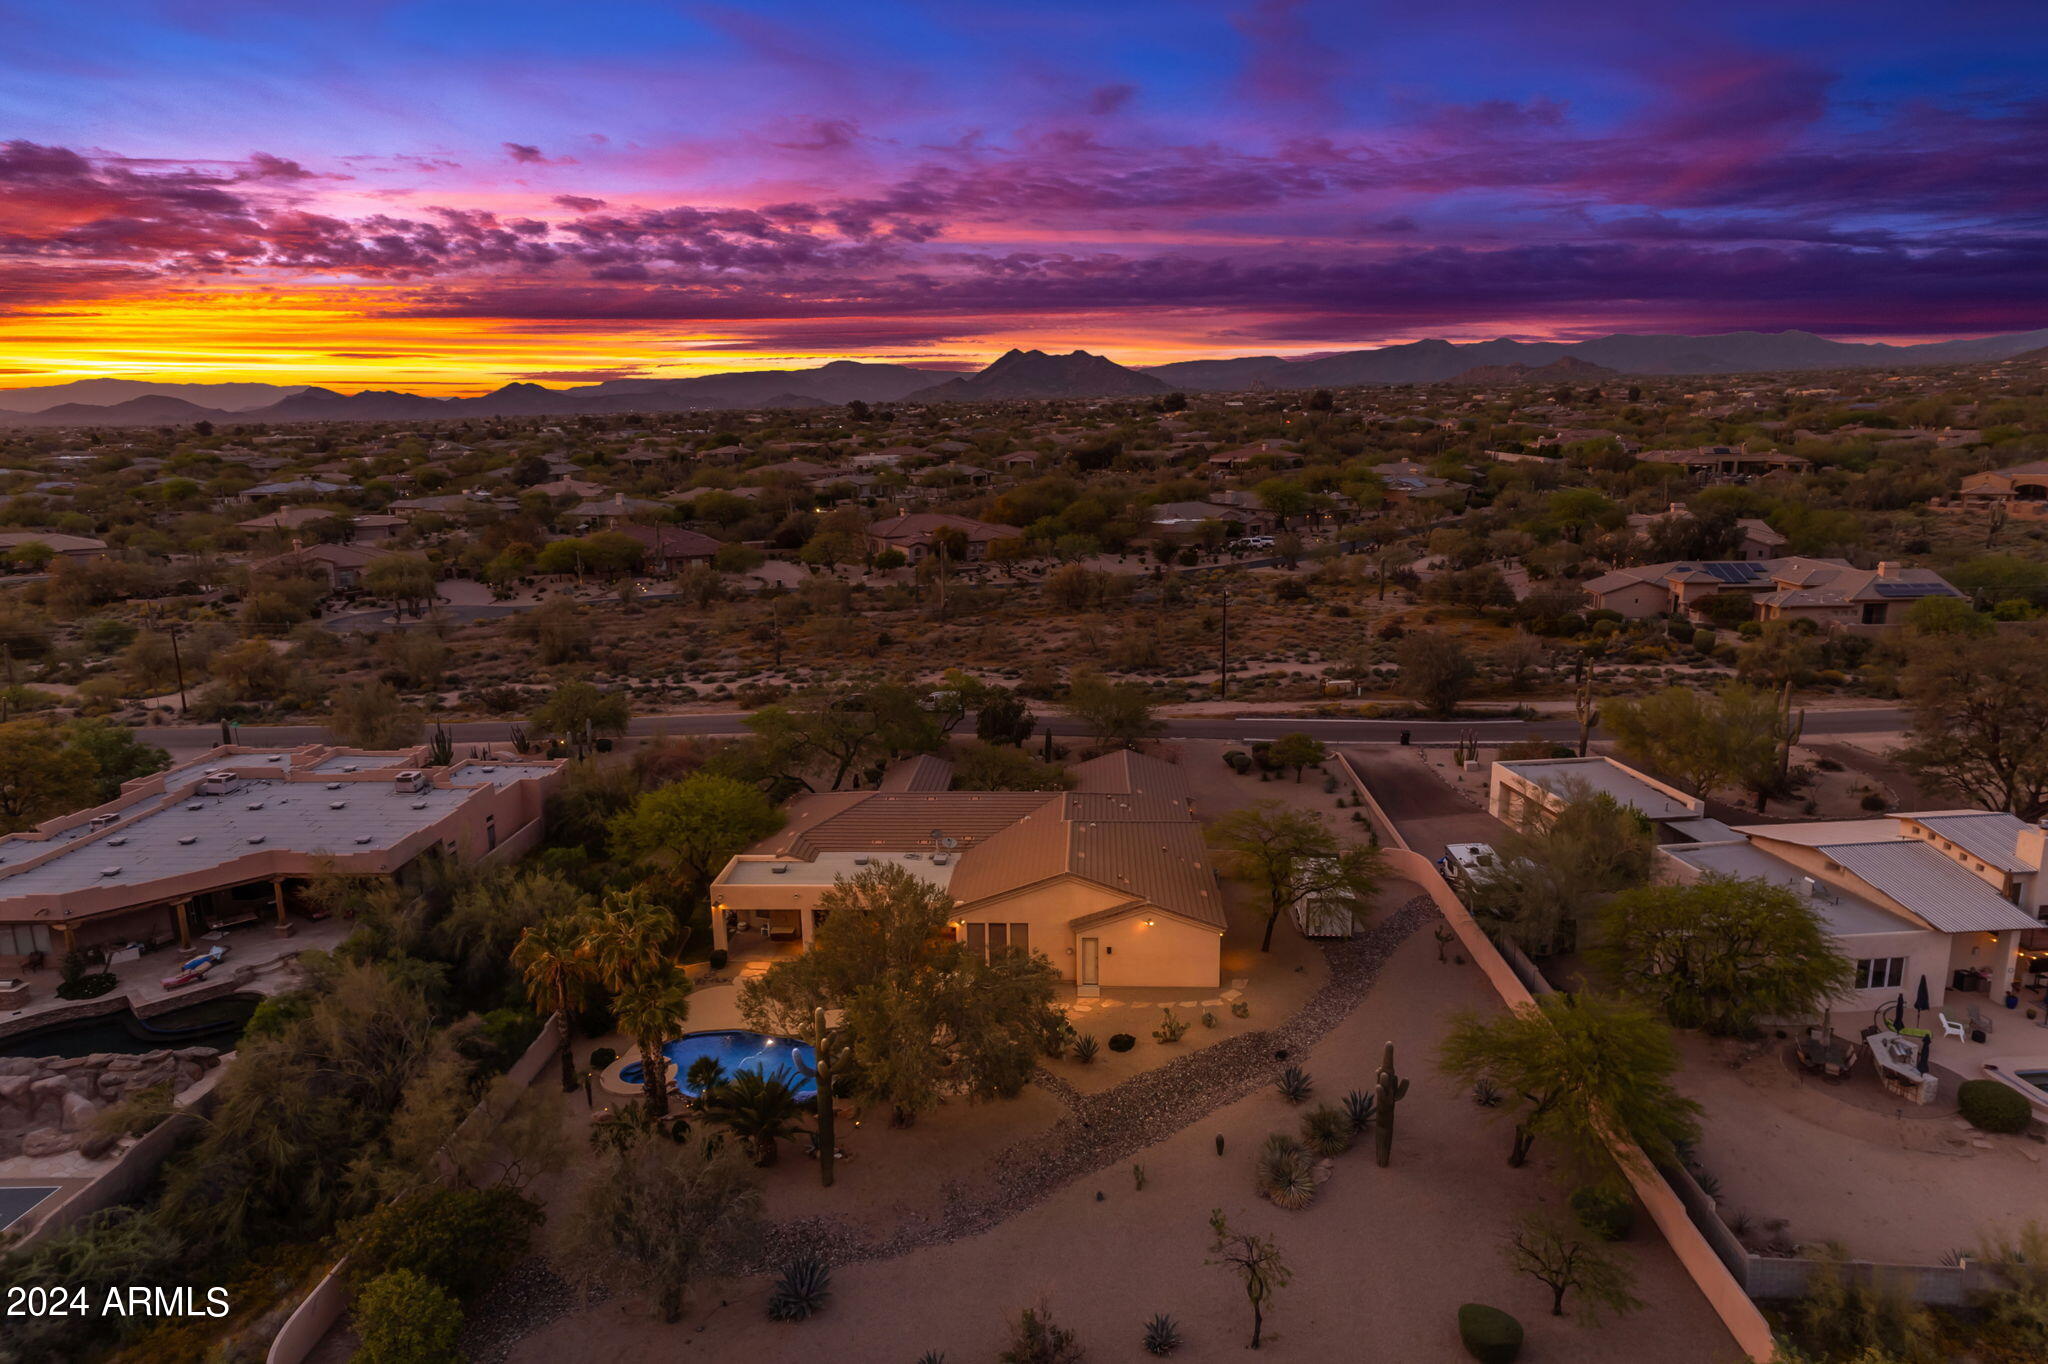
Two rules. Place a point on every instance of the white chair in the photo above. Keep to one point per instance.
(1953, 1029)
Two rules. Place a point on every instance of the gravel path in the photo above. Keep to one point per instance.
(1101, 1130)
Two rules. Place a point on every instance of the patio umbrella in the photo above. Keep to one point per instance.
(1899, 1013)
(1920, 1000)
(1926, 1045)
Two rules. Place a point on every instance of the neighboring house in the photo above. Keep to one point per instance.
(1184, 520)
(1252, 455)
(1113, 886)
(1526, 795)
(304, 487)
(1825, 591)
(223, 838)
(60, 545)
(1407, 481)
(453, 506)
(915, 533)
(1951, 897)
(1758, 541)
(287, 520)
(342, 565)
(2021, 487)
(1725, 463)
(670, 548)
(581, 489)
(612, 511)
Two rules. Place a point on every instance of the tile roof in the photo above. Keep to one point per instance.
(1948, 897)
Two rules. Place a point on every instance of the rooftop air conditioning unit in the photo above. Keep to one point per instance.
(860, 859)
(778, 869)
(102, 821)
(1812, 885)
(218, 782)
(941, 859)
(411, 782)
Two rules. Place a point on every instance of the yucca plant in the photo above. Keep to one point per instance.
(801, 1291)
(1286, 1173)
(1085, 1047)
(932, 1357)
(1326, 1131)
(1162, 1336)
(1486, 1094)
(1358, 1108)
(1294, 1085)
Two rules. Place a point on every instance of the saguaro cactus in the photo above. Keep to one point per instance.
(1390, 1091)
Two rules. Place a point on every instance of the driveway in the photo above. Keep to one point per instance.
(1429, 814)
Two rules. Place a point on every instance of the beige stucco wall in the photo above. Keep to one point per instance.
(1638, 602)
(1170, 954)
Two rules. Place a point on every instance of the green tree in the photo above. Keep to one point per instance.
(1979, 728)
(403, 1318)
(1436, 671)
(846, 733)
(407, 579)
(1722, 954)
(630, 945)
(1551, 876)
(1573, 1068)
(693, 827)
(662, 1213)
(924, 1016)
(581, 714)
(1297, 751)
(1564, 1259)
(462, 1240)
(372, 715)
(1003, 717)
(1699, 740)
(553, 967)
(1294, 858)
(1118, 713)
(118, 756)
(1947, 617)
(41, 776)
(760, 1110)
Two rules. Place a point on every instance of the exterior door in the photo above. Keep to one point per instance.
(1090, 980)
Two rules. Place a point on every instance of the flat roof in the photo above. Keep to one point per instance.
(1599, 776)
(828, 867)
(1844, 912)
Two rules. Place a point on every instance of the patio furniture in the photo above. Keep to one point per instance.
(1949, 1028)
(1979, 1022)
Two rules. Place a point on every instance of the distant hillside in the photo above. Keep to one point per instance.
(105, 392)
(1035, 374)
(1018, 374)
(1566, 369)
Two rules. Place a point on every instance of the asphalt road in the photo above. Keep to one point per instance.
(185, 739)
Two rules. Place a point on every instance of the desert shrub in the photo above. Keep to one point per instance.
(1162, 1336)
(602, 1058)
(1085, 1048)
(403, 1318)
(1990, 1106)
(718, 959)
(1327, 1131)
(1172, 1027)
(1606, 1210)
(1284, 1172)
(1294, 1085)
(1122, 1041)
(458, 1239)
(1491, 1336)
(801, 1291)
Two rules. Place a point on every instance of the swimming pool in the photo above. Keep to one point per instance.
(2027, 1075)
(794, 1061)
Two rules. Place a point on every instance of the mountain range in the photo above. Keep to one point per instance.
(1016, 375)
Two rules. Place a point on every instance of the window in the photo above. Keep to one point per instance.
(1880, 973)
(21, 940)
(490, 831)
(985, 940)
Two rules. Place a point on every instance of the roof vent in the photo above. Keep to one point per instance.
(195, 806)
(188, 840)
(419, 805)
(362, 838)
(860, 859)
(334, 786)
(257, 838)
(110, 871)
(254, 805)
(778, 869)
(337, 804)
(117, 842)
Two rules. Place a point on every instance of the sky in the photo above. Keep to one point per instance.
(448, 197)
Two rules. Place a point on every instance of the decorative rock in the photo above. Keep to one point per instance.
(79, 1112)
(48, 1141)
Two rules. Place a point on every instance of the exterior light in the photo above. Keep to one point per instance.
(1148, 923)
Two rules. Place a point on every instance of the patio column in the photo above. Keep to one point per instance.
(807, 923)
(2004, 957)
(718, 934)
(184, 908)
(284, 926)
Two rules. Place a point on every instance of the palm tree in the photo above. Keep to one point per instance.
(759, 1110)
(705, 1074)
(628, 935)
(650, 1008)
(551, 960)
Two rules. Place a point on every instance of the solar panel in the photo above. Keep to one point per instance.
(1734, 572)
(1904, 590)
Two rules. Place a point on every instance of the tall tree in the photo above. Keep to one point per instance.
(1436, 670)
(845, 734)
(1118, 713)
(556, 973)
(371, 715)
(924, 1016)
(665, 1213)
(1549, 878)
(1564, 1259)
(1294, 858)
(1257, 1262)
(630, 944)
(1573, 1068)
(692, 827)
(40, 775)
(1979, 727)
(582, 714)
(1722, 955)
(1699, 740)
(1297, 751)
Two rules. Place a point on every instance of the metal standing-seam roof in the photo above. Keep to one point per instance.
(1143, 846)
(1992, 836)
(1931, 886)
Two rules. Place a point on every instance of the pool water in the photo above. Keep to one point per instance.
(794, 1061)
(2037, 1078)
(214, 1023)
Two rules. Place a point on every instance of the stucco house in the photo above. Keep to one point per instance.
(2021, 488)
(916, 534)
(1825, 591)
(1112, 881)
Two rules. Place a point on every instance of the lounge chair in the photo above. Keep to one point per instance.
(1949, 1028)
(1979, 1022)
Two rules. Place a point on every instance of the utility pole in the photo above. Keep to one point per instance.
(1223, 669)
(178, 663)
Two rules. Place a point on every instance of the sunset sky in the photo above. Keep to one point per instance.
(446, 197)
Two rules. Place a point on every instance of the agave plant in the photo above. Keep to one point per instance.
(1326, 1131)
(1294, 1085)
(1085, 1047)
(801, 1291)
(1358, 1109)
(1162, 1336)
(1286, 1172)
(1486, 1094)
(932, 1357)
